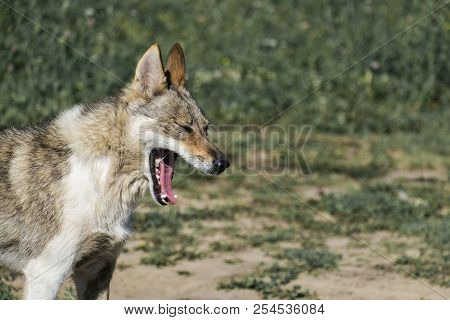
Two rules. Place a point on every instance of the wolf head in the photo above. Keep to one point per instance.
(168, 122)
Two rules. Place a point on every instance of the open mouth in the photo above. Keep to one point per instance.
(162, 168)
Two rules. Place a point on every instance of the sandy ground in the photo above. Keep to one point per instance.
(146, 282)
(362, 274)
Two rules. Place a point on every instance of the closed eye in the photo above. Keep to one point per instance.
(186, 128)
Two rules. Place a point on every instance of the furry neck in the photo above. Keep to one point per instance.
(98, 129)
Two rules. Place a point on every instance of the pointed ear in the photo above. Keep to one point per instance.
(176, 66)
(149, 76)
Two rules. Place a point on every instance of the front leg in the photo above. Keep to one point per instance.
(93, 272)
(93, 278)
(45, 273)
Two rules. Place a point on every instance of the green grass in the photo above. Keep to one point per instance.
(437, 270)
(271, 236)
(184, 273)
(69, 293)
(381, 207)
(254, 59)
(165, 242)
(222, 246)
(6, 291)
(168, 253)
(310, 259)
(157, 221)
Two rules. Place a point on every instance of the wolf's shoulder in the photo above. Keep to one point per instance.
(40, 137)
(12, 136)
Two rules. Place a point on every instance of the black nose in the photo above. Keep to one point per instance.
(220, 165)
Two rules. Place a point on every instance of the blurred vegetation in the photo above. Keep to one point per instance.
(388, 207)
(7, 292)
(165, 243)
(247, 60)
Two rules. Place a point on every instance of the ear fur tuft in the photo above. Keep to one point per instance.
(176, 66)
(149, 76)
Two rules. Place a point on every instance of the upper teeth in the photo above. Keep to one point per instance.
(157, 172)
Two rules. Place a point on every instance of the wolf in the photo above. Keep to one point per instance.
(69, 186)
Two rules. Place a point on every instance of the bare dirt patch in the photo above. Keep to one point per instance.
(147, 282)
(409, 175)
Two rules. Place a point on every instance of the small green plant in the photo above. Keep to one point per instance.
(169, 251)
(233, 261)
(311, 259)
(222, 246)
(69, 293)
(437, 271)
(6, 291)
(167, 222)
(226, 212)
(269, 281)
(123, 266)
(271, 236)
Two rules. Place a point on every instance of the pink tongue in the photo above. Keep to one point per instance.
(165, 175)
